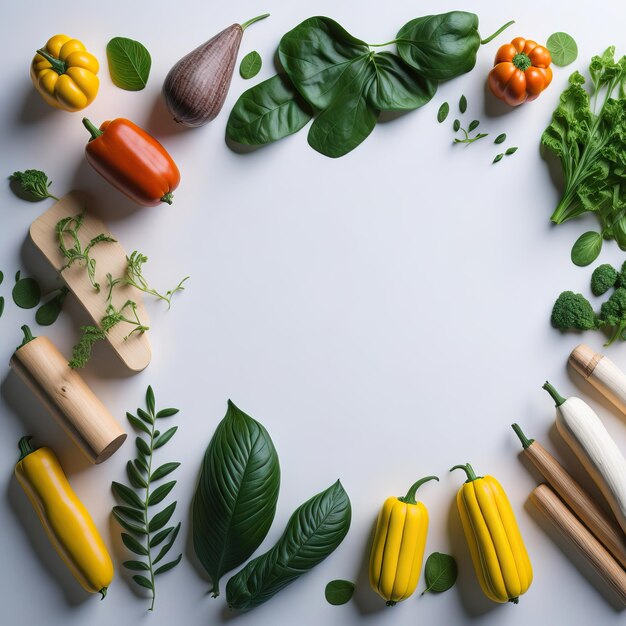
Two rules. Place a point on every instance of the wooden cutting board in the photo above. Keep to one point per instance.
(135, 351)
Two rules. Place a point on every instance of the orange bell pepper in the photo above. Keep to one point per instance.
(133, 161)
(521, 71)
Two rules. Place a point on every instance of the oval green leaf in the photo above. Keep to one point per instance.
(168, 566)
(443, 111)
(136, 566)
(127, 495)
(1, 305)
(165, 549)
(563, 48)
(26, 293)
(339, 592)
(500, 139)
(133, 545)
(142, 581)
(129, 63)
(250, 65)
(48, 313)
(440, 572)
(463, 104)
(161, 518)
(498, 157)
(160, 493)
(586, 249)
(473, 125)
(510, 151)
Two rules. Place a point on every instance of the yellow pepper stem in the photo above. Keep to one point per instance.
(410, 496)
(25, 447)
(57, 65)
(469, 470)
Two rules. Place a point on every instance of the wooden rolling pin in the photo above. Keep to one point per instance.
(594, 552)
(66, 395)
(604, 528)
(602, 373)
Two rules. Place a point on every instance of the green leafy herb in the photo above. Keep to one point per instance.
(500, 139)
(339, 592)
(236, 497)
(26, 292)
(443, 111)
(33, 184)
(69, 227)
(510, 151)
(129, 63)
(456, 125)
(562, 48)
(146, 530)
(440, 572)
(314, 531)
(48, 313)
(473, 125)
(250, 65)
(498, 157)
(466, 139)
(587, 248)
(463, 104)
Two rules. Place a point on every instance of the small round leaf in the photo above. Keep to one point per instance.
(250, 65)
(586, 248)
(26, 293)
(440, 572)
(339, 592)
(562, 48)
(456, 125)
(500, 138)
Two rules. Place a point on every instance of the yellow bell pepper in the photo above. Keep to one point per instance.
(398, 548)
(65, 74)
(495, 543)
(64, 518)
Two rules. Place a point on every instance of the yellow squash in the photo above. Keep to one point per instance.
(398, 548)
(65, 520)
(65, 74)
(498, 553)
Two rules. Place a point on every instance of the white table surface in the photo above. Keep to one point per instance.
(384, 315)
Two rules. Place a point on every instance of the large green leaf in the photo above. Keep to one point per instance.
(235, 500)
(441, 46)
(129, 63)
(313, 532)
(267, 112)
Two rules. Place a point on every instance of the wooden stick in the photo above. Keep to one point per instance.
(589, 547)
(603, 527)
(66, 395)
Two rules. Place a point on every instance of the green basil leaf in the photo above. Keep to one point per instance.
(267, 112)
(250, 65)
(166, 548)
(313, 532)
(129, 63)
(142, 581)
(440, 572)
(26, 293)
(317, 56)
(127, 495)
(165, 437)
(563, 49)
(136, 566)
(396, 86)
(441, 46)
(129, 526)
(462, 104)
(163, 470)
(235, 500)
(160, 493)
(443, 111)
(586, 248)
(161, 518)
(168, 566)
(339, 592)
(133, 545)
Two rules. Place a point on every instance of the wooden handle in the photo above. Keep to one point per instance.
(602, 562)
(66, 395)
(605, 529)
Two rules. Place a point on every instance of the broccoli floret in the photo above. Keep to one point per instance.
(613, 313)
(621, 277)
(603, 278)
(573, 311)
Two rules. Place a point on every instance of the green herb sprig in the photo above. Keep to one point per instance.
(33, 184)
(146, 530)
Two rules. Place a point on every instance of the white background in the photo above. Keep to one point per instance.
(384, 315)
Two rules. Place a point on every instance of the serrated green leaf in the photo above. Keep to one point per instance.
(136, 566)
(168, 566)
(443, 111)
(440, 572)
(250, 65)
(127, 495)
(160, 536)
(137, 423)
(129, 512)
(165, 437)
(146, 417)
(339, 592)
(134, 476)
(166, 548)
(143, 446)
(562, 48)
(166, 413)
(142, 581)
(160, 493)
(163, 470)
(150, 401)
(587, 248)
(129, 63)
(162, 518)
(133, 545)
(129, 526)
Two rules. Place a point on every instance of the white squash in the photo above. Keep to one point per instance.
(586, 435)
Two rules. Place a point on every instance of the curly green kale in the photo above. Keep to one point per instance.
(572, 311)
(603, 278)
(33, 184)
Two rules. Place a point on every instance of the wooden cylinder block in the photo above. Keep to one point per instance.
(66, 395)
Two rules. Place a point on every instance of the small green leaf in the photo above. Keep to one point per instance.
(133, 545)
(168, 566)
(26, 293)
(165, 549)
(440, 572)
(142, 581)
(129, 512)
(146, 417)
(129, 63)
(48, 313)
(498, 157)
(339, 592)
(562, 48)
(456, 125)
(500, 138)
(161, 518)
(160, 536)
(127, 495)
(141, 464)
(136, 566)
(160, 493)
(137, 423)
(142, 446)
(443, 111)
(129, 526)
(473, 125)
(586, 248)
(134, 476)
(1, 305)
(250, 65)
(163, 470)
(165, 437)
(150, 401)
(463, 104)
(166, 413)
(512, 150)
(1, 277)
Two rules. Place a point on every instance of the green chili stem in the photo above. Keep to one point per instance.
(103, 591)
(95, 132)
(526, 442)
(469, 470)
(28, 336)
(24, 445)
(253, 20)
(57, 65)
(410, 495)
(556, 396)
(168, 197)
(502, 28)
